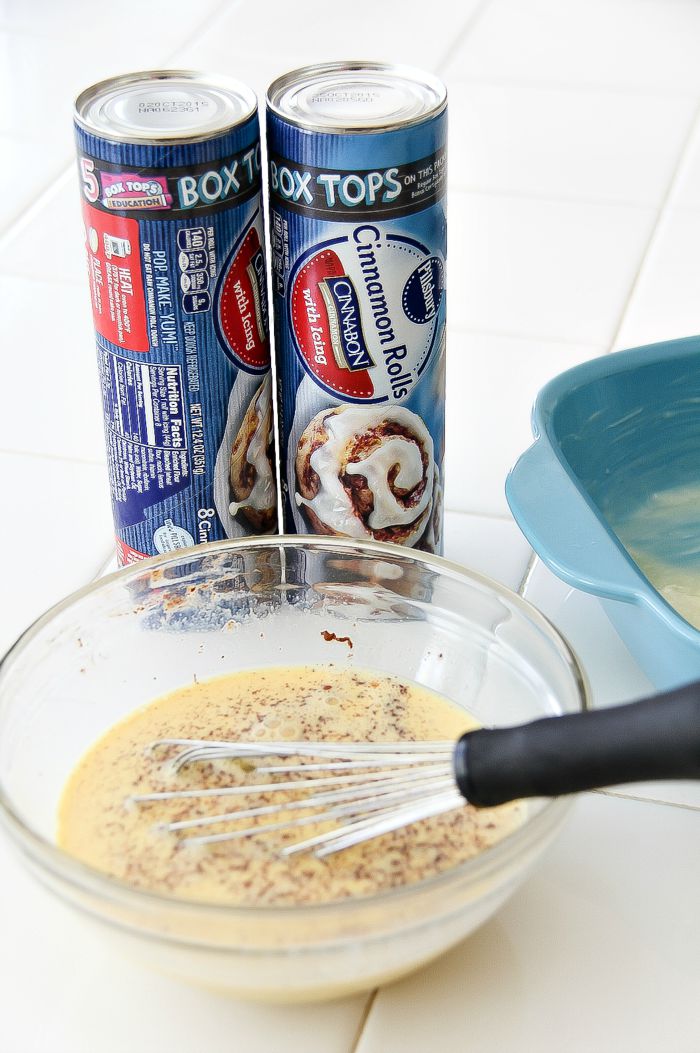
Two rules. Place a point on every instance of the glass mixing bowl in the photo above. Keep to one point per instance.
(202, 612)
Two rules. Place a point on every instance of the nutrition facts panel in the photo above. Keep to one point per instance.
(146, 431)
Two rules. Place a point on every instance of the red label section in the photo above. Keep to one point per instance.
(126, 555)
(312, 328)
(114, 264)
(242, 306)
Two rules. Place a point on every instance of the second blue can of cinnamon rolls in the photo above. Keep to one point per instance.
(357, 156)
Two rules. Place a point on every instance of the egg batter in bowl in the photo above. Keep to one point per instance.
(99, 826)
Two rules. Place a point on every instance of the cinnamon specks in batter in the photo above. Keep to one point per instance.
(305, 702)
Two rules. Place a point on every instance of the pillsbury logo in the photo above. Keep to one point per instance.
(422, 293)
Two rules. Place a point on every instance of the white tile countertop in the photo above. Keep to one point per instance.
(574, 212)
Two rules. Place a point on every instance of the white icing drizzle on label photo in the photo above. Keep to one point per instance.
(263, 494)
(333, 503)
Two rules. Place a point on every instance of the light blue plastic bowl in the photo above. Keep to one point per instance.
(608, 434)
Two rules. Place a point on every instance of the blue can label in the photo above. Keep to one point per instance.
(176, 262)
(358, 258)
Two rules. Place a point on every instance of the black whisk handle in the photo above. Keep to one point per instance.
(657, 738)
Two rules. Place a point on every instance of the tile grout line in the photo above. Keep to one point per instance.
(61, 458)
(662, 212)
(17, 220)
(103, 566)
(26, 217)
(464, 32)
(527, 574)
(367, 1009)
(529, 335)
(508, 334)
(636, 90)
(21, 31)
(57, 281)
(204, 26)
(556, 199)
(619, 796)
(106, 565)
(498, 517)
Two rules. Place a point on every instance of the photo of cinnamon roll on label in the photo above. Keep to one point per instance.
(432, 538)
(251, 465)
(366, 472)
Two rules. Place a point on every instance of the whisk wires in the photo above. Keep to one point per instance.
(364, 789)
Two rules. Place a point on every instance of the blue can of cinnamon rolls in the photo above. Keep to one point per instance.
(170, 176)
(357, 156)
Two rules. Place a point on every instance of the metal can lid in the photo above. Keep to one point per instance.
(164, 106)
(356, 96)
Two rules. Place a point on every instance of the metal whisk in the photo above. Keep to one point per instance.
(369, 789)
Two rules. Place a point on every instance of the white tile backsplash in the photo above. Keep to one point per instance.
(598, 951)
(163, 23)
(666, 299)
(55, 225)
(602, 43)
(384, 30)
(492, 382)
(55, 531)
(108, 1003)
(25, 172)
(553, 269)
(55, 407)
(613, 674)
(494, 547)
(49, 53)
(686, 190)
(39, 82)
(566, 142)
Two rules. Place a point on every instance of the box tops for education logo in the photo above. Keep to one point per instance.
(128, 190)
